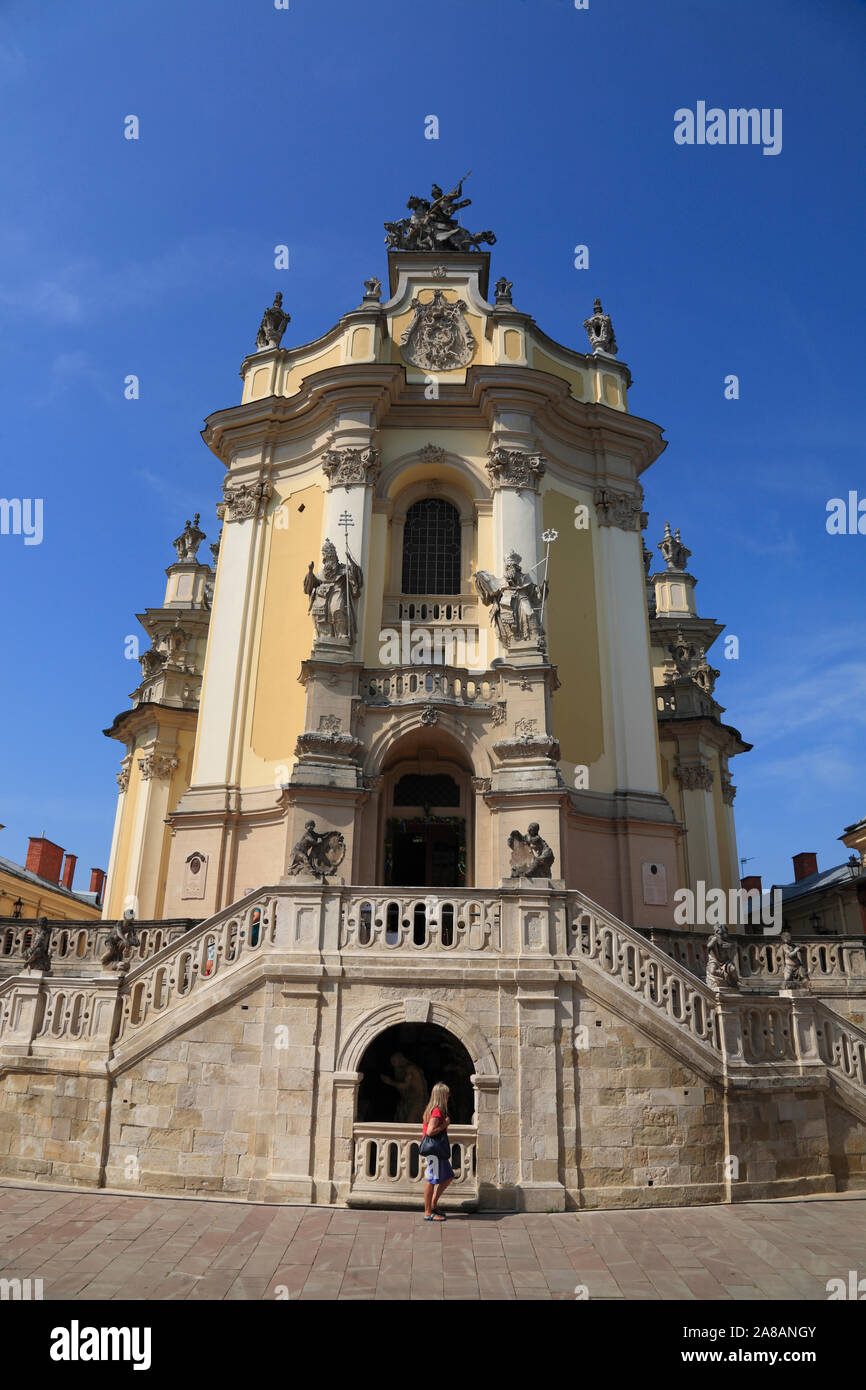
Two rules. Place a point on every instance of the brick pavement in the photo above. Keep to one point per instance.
(101, 1245)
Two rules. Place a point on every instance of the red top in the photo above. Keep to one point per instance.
(435, 1111)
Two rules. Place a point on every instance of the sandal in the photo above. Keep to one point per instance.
(437, 1216)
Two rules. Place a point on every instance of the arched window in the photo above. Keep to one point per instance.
(431, 548)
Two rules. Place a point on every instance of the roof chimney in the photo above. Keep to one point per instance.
(805, 865)
(751, 884)
(97, 883)
(69, 871)
(44, 858)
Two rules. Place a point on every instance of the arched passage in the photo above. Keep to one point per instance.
(401, 1065)
(427, 809)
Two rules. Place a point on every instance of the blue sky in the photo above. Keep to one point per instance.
(306, 127)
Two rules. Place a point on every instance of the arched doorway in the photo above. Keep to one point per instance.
(400, 1067)
(427, 807)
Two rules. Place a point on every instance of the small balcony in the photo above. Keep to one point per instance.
(387, 1169)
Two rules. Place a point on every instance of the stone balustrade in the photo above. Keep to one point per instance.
(387, 1168)
(835, 964)
(185, 967)
(76, 945)
(409, 684)
(390, 920)
(748, 1037)
(644, 971)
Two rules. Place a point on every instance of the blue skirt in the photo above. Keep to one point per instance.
(438, 1169)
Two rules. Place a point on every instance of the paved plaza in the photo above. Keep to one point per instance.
(102, 1245)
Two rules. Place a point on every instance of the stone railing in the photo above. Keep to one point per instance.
(404, 685)
(841, 1046)
(453, 920)
(644, 970)
(430, 610)
(77, 945)
(837, 964)
(747, 1037)
(185, 967)
(387, 1167)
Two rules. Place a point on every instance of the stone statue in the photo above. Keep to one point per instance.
(273, 325)
(317, 852)
(189, 540)
(38, 956)
(794, 961)
(721, 970)
(332, 594)
(674, 552)
(531, 857)
(433, 226)
(411, 1087)
(502, 290)
(121, 940)
(373, 288)
(516, 601)
(599, 330)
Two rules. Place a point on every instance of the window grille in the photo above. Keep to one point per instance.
(431, 548)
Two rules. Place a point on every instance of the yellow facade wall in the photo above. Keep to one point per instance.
(284, 635)
(572, 629)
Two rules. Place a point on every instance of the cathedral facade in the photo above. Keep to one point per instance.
(413, 773)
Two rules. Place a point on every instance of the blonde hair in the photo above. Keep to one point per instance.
(438, 1096)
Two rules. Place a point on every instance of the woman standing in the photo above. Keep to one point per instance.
(439, 1171)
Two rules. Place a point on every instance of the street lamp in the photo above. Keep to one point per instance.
(17, 907)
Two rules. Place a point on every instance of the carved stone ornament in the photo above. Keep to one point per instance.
(123, 774)
(273, 325)
(351, 467)
(327, 743)
(502, 289)
(694, 776)
(482, 784)
(438, 339)
(433, 226)
(431, 453)
(721, 970)
(499, 713)
(189, 540)
(514, 468)
(620, 509)
(729, 791)
(673, 551)
(242, 501)
(534, 746)
(429, 714)
(38, 954)
(121, 940)
(373, 289)
(317, 854)
(155, 764)
(599, 330)
(531, 857)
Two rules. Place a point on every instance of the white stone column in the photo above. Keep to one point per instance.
(626, 668)
(219, 730)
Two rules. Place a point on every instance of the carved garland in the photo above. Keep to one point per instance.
(243, 500)
(515, 468)
(620, 509)
(351, 467)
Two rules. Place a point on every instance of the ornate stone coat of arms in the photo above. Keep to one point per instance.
(438, 339)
